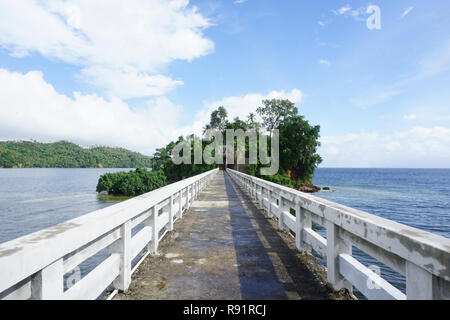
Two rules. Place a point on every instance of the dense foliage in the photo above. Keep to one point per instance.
(299, 140)
(298, 148)
(31, 154)
(131, 183)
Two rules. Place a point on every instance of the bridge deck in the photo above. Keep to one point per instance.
(225, 248)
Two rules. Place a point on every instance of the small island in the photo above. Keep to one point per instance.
(132, 183)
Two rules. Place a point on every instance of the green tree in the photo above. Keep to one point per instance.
(298, 148)
(218, 119)
(274, 111)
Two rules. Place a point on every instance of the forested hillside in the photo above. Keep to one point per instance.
(63, 154)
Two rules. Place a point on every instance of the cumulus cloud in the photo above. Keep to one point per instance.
(417, 147)
(115, 37)
(325, 62)
(239, 106)
(46, 115)
(127, 82)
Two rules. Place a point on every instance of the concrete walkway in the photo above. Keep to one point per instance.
(225, 248)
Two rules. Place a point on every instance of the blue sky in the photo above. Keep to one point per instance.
(138, 73)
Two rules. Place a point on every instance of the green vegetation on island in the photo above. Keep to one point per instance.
(132, 183)
(63, 154)
(298, 141)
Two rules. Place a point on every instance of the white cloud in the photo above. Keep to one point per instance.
(342, 10)
(418, 147)
(321, 23)
(31, 108)
(347, 11)
(128, 83)
(407, 11)
(239, 1)
(142, 35)
(239, 106)
(409, 117)
(325, 62)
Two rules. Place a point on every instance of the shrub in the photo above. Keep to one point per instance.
(132, 183)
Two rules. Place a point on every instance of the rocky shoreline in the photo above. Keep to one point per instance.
(310, 188)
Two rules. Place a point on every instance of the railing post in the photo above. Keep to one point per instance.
(302, 221)
(261, 200)
(180, 205)
(48, 284)
(123, 247)
(281, 212)
(171, 213)
(419, 283)
(187, 198)
(336, 246)
(194, 191)
(254, 190)
(269, 206)
(198, 189)
(155, 232)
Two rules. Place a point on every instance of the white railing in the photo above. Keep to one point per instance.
(422, 257)
(33, 266)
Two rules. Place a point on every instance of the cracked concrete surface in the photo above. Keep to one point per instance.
(226, 248)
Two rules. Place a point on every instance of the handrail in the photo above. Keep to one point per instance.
(33, 266)
(423, 257)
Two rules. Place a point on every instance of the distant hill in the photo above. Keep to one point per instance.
(63, 154)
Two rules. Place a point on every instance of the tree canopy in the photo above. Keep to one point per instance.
(274, 111)
(132, 183)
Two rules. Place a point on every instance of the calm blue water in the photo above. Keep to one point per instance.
(416, 197)
(33, 199)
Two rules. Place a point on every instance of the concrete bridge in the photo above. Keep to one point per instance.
(224, 235)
